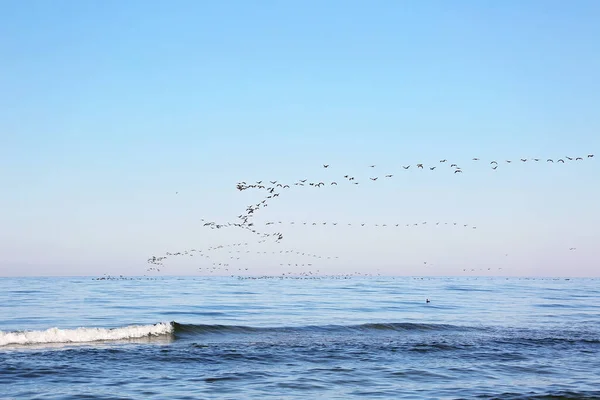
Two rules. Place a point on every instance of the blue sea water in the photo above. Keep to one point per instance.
(229, 338)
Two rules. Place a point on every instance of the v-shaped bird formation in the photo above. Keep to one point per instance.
(272, 190)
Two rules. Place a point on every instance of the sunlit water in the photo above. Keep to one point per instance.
(287, 339)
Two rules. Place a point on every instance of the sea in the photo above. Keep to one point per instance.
(338, 337)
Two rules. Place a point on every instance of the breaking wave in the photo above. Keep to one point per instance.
(174, 330)
(85, 335)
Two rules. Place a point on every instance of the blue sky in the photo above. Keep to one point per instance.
(108, 108)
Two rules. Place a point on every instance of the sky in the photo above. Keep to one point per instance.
(124, 124)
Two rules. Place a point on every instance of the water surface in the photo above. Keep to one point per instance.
(228, 338)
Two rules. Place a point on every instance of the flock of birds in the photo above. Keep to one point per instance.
(365, 224)
(272, 190)
(235, 252)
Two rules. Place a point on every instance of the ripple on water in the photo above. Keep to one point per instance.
(297, 339)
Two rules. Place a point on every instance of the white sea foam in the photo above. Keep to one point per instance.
(83, 335)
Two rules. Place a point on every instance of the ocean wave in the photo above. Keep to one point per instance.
(174, 330)
(370, 327)
(84, 335)
(553, 395)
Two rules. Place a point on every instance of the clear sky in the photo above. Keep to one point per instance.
(108, 108)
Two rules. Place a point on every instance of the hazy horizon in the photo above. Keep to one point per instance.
(126, 125)
(332, 276)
